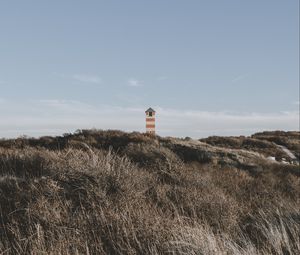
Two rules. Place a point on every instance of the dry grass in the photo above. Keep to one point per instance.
(135, 196)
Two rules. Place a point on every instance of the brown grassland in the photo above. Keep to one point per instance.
(110, 192)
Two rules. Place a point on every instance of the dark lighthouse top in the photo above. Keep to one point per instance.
(150, 110)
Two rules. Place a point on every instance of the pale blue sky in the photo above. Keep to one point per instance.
(208, 67)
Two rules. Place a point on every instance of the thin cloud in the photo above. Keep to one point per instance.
(87, 78)
(67, 106)
(53, 116)
(58, 102)
(201, 123)
(83, 78)
(134, 83)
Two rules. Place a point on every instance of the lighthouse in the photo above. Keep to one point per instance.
(150, 121)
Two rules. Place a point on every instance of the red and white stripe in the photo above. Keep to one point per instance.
(150, 125)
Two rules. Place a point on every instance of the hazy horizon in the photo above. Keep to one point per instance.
(207, 68)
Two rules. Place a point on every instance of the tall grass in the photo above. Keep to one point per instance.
(86, 200)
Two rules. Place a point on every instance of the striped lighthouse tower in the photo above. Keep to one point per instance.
(150, 121)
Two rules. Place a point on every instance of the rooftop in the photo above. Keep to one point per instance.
(150, 110)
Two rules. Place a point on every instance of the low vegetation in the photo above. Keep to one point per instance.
(109, 192)
(266, 143)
